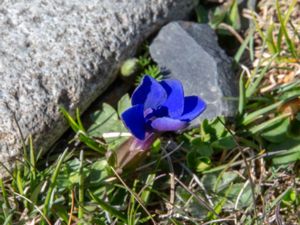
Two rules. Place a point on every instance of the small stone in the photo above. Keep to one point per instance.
(191, 53)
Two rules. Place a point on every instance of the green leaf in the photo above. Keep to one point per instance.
(217, 16)
(193, 207)
(234, 16)
(218, 183)
(198, 162)
(290, 197)
(294, 129)
(203, 164)
(227, 142)
(69, 174)
(218, 209)
(156, 146)
(278, 132)
(260, 113)
(202, 148)
(123, 104)
(267, 124)
(61, 212)
(144, 61)
(218, 125)
(106, 120)
(153, 71)
(213, 130)
(298, 116)
(288, 158)
(35, 193)
(279, 198)
(292, 153)
(241, 193)
(91, 143)
(108, 208)
(98, 173)
(202, 14)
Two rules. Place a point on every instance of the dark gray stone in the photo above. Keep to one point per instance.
(56, 52)
(191, 53)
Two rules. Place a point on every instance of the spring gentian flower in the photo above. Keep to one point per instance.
(159, 107)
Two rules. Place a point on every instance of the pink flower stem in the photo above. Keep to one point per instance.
(132, 151)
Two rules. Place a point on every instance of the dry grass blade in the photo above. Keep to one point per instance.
(277, 215)
(248, 168)
(72, 208)
(170, 205)
(199, 199)
(200, 184)
(36, 207)
(163, 157)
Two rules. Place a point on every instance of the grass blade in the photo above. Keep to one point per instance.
(32, 161)
(70, 120)
(242, 97)
(108, 208)
(6, 205)
(147, 189)
(283, 29)
(79, 120)
(8, 220)
(243, 47)
(261, 127)
(279, 198)
(259, 113)
(254, 86)
(52, 184)
(270, 40)
(81, 189)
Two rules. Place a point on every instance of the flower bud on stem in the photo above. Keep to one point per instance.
(133, 151)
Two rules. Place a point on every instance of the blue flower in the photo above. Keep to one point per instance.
(159, 107)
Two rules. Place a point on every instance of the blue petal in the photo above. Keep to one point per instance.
(168, 124)
(133, 119)
(149, 93)
(193, 107)
(175, 100)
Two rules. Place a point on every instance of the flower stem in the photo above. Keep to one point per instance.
(133, 151)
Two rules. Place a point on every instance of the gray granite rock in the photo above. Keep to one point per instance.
(56, 52)
(191, 53)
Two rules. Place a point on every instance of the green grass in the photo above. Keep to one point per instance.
(244, 171)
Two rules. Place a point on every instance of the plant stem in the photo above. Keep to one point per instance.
(52, 185)
(81, 190)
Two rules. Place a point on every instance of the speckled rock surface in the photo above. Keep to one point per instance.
(191, 53)
(55, 52)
